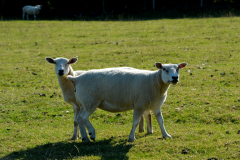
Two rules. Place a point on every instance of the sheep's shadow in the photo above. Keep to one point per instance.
(68, 150)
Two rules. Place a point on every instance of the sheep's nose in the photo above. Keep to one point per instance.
(175, 78)
(60, 72)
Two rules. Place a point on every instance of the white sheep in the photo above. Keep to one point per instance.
(62, 69)
(31, 10)
(118, 90)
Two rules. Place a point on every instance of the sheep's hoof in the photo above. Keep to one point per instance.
(131, 140)
(93, 139)
(141, 129)
(74, 138)
(167, 136)
(85, 140)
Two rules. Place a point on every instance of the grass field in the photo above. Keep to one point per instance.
(201, 113)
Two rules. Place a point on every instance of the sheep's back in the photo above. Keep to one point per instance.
(118, 86)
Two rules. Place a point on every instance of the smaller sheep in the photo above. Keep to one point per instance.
(62, 69)
(31, 10)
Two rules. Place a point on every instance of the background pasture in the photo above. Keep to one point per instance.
(202, 112)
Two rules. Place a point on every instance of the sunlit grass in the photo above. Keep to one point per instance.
(202, 112)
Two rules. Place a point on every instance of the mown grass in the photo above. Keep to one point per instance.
(202, 112)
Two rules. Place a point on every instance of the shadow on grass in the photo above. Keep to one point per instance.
(68, 150)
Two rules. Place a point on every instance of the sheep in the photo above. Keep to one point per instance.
(62, 69)
(118, 90)
(31, 10)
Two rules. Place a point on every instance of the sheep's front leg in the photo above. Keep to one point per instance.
(76, 110)
(136, 118)
(159, 117)
(35, 17)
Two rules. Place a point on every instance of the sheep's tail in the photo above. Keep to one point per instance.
(71, 78)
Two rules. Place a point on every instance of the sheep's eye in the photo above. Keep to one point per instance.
(165, 70)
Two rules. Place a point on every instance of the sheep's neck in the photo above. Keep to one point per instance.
(63, 81)
(66, 85)
(161, 86)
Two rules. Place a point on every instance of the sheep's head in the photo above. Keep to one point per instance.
(62, 65)
(170, 72)
(39, 7)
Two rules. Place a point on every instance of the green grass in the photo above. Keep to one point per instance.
(201, 113)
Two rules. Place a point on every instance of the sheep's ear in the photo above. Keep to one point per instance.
(50, 60)
(182, 65)
(72, 61)
(159, 65)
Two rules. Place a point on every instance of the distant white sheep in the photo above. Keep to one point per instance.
(62, 69)
(118, 90)
(31, 10)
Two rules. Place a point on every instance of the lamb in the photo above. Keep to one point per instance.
(118, 90)
(31, 10)
(62, 69)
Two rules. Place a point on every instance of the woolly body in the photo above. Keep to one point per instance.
(118, 90)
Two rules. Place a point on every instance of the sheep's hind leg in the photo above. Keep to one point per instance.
(84, 115)
(141, 124)
(148, 118)
(84, 136)
(136, 118)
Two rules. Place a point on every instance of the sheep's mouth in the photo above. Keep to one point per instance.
(174, 82)
(60, 74)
